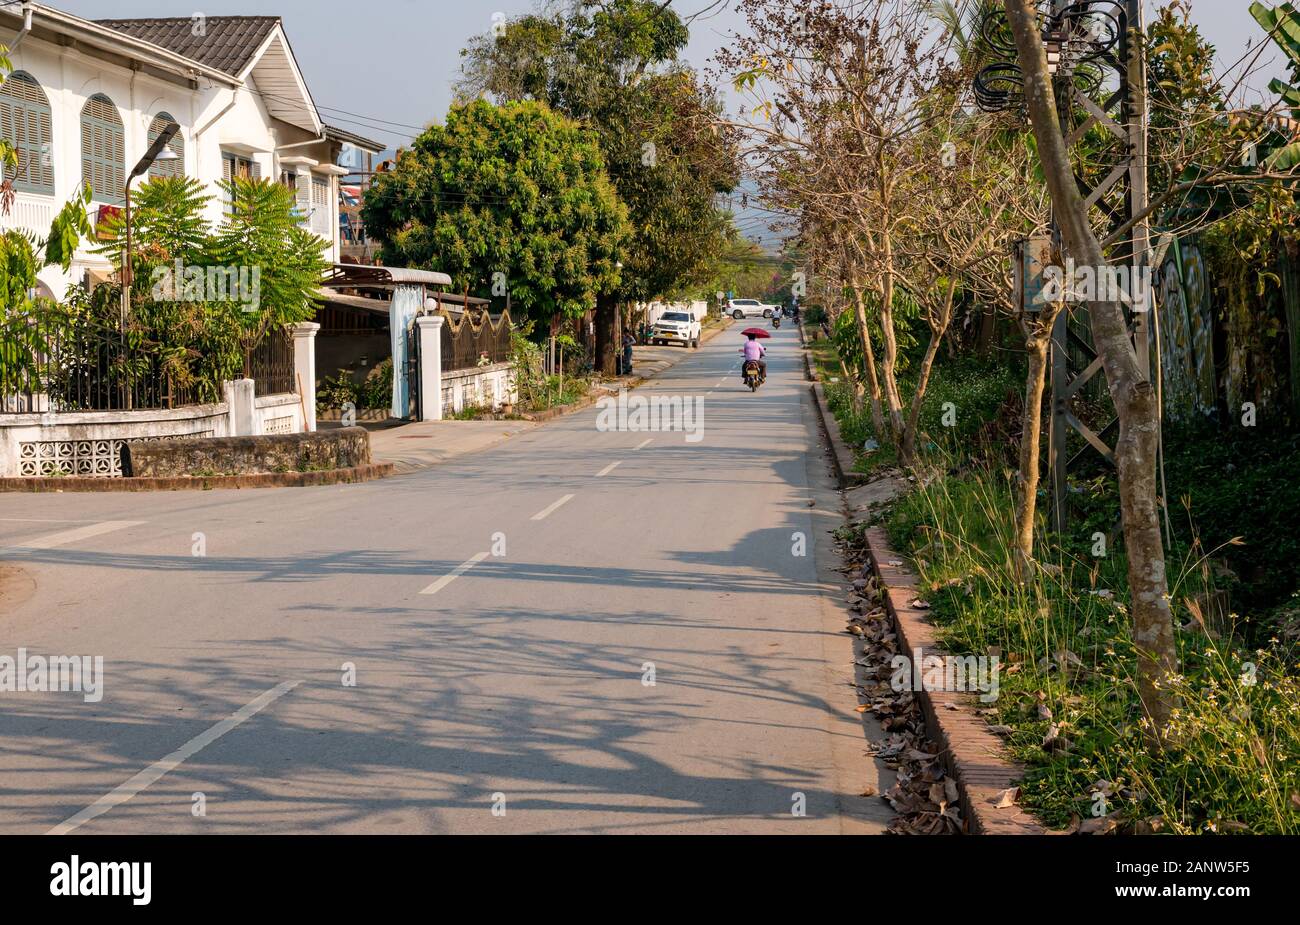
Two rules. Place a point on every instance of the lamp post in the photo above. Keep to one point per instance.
(158, 151)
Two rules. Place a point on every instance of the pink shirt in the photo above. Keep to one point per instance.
(753, 350)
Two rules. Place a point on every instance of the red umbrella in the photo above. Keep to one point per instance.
(755, 332)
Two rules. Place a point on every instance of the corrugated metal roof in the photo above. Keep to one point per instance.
(361, 274)
(227, 43)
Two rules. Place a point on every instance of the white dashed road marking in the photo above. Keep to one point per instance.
(455, 573)
(63, 538)
(551, 509)
(610, 468)
(151, 774)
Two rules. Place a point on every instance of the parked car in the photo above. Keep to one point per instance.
(749, 308)
(676, 328)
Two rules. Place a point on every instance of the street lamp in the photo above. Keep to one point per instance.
(158, 151)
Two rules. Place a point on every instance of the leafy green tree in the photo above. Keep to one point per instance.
(509, 196)
(202, 325)
(284, 261)
(614, 66)
(1283, 25)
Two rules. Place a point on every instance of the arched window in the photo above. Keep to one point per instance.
(103, 149)
(162, 168)
(25, 124)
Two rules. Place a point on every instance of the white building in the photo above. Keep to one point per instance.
(86, 98)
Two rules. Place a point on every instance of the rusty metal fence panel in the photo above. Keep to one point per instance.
(272, 364)
(475, 339)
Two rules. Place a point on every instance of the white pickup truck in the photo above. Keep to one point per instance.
(749, 308)
(676, 328)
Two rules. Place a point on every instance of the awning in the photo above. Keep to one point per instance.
(348, 275)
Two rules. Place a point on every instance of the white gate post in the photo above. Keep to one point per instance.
(243, 411)
(430, 332)
(304, 369)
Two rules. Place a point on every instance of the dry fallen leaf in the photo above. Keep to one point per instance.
(1099, 825)
(1005, 798)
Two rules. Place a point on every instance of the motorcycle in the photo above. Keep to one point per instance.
(752, 373)
(776, 321)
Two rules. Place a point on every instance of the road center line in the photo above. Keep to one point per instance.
(51, 540)
(455, 573)
(610, 468)
(646, 442)
(151, 774)
(552, 508)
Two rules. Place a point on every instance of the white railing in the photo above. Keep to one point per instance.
(31, 212)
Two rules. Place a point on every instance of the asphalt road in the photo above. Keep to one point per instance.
(463, 649)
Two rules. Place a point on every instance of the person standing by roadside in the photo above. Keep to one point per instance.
(628, 342)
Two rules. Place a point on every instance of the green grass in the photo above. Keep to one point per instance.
(550, 395)
(1232, 758)
(979, 395)
(1231, 762)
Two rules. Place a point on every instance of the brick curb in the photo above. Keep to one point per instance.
(364, 473)
(538, 417)
(973, 755)
(841, 455)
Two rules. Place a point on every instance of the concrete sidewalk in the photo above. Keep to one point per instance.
(410, 447)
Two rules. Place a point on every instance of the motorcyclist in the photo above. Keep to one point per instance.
(753, 350)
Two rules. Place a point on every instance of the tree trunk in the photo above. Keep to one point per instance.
(938, 328)
(869, 359)
(607, 345)
(907, 448)
(889, 364)
(1031, 435)
(1133, 394)
(988, 327)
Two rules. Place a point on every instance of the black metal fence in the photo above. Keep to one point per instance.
(415, 399)
(474, 341)
(51, 362)
(272, 364)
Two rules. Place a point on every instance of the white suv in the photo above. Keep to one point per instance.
(749, 308)
(676, 328)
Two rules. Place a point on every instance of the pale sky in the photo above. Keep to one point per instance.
(384, 68)
(392, 61)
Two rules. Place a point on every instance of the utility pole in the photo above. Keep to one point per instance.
(1124, 115)
(1097, 66)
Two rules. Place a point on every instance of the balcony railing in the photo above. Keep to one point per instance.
(31, 213)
